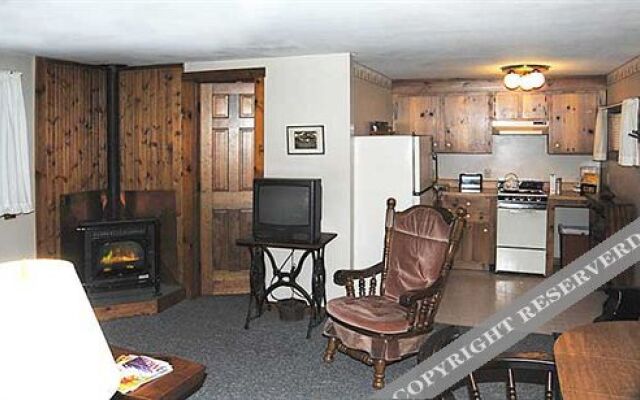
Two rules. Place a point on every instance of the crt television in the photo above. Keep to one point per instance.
(287, 210)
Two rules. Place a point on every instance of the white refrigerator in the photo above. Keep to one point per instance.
(398, 166)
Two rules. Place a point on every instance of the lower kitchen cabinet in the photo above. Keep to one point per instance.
(478, 246)
(477, 249)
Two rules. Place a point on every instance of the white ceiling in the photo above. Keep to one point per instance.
(403, 39)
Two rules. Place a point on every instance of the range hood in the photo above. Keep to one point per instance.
(520, 127)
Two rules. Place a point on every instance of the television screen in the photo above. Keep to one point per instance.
(287, 210)
(284, 205)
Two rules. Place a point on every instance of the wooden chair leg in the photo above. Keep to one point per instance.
(378, 373)
(330, 351)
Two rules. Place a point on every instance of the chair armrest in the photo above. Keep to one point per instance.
(411, 297)
(343, 276)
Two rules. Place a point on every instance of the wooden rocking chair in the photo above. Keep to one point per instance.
(419, 246)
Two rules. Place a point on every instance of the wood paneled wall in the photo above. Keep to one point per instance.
(189, 228)
(158, 142)
(622, 83)
(70, 141)
(150, 128)
(420, 87)
(158, 139)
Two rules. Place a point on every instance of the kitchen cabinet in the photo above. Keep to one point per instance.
(426, 117)
(572, 122)
(534, 106)
(519, 105)
(401, 114)
(420, 115)
(478, 245)
(506, 105)
(467, 119)
(459, 123)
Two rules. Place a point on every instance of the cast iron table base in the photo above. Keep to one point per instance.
(259, 292)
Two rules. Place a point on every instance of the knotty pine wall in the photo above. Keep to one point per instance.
(70, 141)
(158, 139)
(622, 83)
(158, 147)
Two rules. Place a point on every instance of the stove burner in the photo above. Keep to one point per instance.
(530, 194)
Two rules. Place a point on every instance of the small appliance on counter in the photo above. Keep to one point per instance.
(589, 179)
(379, 128)
(470, 183)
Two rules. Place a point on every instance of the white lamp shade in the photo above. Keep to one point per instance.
(512, 80)
(536, 78)
(51, 344)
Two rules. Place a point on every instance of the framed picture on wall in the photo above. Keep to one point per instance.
(307, 139)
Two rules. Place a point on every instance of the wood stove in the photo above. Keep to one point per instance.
(112, 250)
(119, 254)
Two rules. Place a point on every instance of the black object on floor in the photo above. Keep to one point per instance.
(291, 309)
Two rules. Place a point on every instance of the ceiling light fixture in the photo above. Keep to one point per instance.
(524, 76)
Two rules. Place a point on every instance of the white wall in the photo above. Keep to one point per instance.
(18, 236)
(309, 90)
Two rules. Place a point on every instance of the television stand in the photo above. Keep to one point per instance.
(259, 291)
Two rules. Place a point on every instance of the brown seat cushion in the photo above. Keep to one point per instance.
(373, 313)
(418, 248)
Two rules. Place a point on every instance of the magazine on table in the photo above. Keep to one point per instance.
(137, 370)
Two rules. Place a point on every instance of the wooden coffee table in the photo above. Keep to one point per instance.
(600, 361)
(185, 379)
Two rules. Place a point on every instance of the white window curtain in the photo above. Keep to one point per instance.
(15, 178)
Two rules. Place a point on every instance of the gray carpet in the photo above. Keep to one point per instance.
(271, 360)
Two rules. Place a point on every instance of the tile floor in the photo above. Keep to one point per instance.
(472, 296)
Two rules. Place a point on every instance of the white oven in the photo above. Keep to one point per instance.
(521, 239)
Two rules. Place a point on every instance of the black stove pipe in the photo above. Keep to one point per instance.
(113, 142)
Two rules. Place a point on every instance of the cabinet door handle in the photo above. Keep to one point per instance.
(485, 230)
(556, 145)
(468, 203)
(448, 144)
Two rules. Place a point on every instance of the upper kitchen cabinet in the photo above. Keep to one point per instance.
(519, 105)
(402, 114)
(572, 122)
(420, 115)
(534, 106)
(426, 115)
(467, 123)
(506, 105)
(459, 123)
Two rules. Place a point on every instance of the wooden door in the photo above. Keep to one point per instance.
(467, 126)
(572, 124)
(228, 143)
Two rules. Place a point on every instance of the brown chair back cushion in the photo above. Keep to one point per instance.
(418, 247)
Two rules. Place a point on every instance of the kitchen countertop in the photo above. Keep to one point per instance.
(566, 198)
(488, 188)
